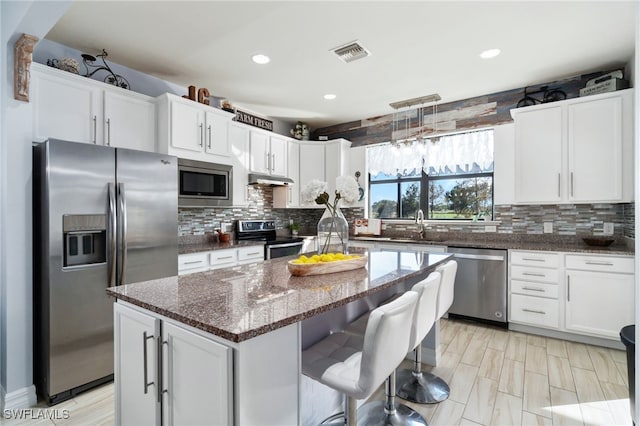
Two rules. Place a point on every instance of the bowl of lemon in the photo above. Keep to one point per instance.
(325, 263)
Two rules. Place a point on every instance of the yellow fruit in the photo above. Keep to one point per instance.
(303, 258)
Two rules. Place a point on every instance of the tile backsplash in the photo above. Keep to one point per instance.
(200, 221)
(567, 219)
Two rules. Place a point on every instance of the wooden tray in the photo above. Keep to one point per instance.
(304, 269)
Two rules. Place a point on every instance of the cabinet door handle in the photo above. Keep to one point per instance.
(534, 289)
(225, 257)
(108, 131)
(201, 134)
(534, 311)
(273, 163)
(533, 274)
(594, 262)
(161, 344)
(568, 288)
(572, 184)
(558, 184)
(268, 160)
(95, 129)
(193, 262)
(145, 367)
(246, 194)
(253, 253)
(533, 259)
(209, 143)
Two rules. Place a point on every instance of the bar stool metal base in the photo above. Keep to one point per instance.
(387, 412)
(374, 414)
(423, 388)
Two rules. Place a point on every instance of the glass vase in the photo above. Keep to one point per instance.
(333, 232)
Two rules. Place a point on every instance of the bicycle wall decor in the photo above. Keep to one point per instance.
(111, 78)
(548, 95)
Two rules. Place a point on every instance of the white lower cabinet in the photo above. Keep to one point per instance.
(166, 374)
(590, 295)
(223, 258)
(250, 254)
(190, 263)
(197, 379)
(216, 259)
(600, 297)
(136, 367)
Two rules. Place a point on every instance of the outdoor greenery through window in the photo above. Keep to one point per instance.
(450, 177)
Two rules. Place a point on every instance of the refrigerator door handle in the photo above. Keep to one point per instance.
(122, 232)
(113, 225)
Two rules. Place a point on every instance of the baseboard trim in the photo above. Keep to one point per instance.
(21, 398)
(589, 340)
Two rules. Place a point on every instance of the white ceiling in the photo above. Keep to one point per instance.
(418, 48)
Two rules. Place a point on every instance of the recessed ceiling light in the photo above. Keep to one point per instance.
(261, 59)
(329, 96)
(491, 53)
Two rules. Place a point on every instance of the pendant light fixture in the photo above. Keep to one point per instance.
(408, 103)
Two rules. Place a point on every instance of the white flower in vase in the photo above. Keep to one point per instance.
(333, 229)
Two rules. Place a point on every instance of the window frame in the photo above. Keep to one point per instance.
(425, 180)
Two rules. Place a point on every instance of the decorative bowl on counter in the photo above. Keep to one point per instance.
(598, 241)
(319, 268)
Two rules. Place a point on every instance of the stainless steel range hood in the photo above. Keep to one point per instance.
(258, 179)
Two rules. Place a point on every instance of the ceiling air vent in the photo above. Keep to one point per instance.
(351, 52)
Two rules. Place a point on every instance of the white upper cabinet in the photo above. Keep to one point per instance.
(320, 160)
(130, 122)
(538, 155)
(188, 129)
(503, 167)
(595, 150)
(239, 141)
(575, 151)
(268, 153)
(67, 106)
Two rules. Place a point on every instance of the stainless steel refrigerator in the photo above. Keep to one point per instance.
(102, 217)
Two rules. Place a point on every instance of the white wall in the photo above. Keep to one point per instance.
(16, 349)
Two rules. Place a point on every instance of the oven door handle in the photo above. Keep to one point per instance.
(299, 243)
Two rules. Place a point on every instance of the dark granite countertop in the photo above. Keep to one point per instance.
(510, 242)
(242, 302)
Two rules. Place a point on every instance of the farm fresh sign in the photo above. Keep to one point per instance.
(252, 120)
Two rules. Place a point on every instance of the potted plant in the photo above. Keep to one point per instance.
(295, 228)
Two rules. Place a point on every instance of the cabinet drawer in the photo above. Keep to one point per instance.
(223, 258)
(527, 273)
(539, 259)
(534, 310)
(535, 289)
(251, 254)
(187, 262)
(600, 263)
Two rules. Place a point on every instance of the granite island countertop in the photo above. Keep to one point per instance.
(242, 302)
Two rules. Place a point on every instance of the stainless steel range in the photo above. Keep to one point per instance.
(265, 230)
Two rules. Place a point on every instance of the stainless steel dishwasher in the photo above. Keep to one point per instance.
(481, 284)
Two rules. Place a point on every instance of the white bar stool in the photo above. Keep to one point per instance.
(416, 385)
(357, 364)
(387, 412)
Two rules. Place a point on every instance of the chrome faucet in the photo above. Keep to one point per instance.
(420, 223)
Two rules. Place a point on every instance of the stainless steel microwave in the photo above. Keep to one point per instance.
(202, 184)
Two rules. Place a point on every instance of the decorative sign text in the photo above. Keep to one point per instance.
(252, 120)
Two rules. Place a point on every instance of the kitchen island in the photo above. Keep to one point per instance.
(223, 347)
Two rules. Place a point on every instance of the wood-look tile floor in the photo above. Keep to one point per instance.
(505, 378)
(497, 377)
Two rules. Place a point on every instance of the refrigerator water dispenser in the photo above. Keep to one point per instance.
(85, 239)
